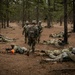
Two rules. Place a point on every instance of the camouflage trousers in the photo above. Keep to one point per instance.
(32, 43)
(26, 37)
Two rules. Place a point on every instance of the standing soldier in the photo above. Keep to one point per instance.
(25, 30)
(40, 31)
(32, 36)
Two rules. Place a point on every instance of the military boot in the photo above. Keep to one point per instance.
(27, 53)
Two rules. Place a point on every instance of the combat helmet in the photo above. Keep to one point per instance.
(27, 22)
(34, 22)
(40, 21)
(12, 45)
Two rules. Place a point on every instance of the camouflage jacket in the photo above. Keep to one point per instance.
(25, 29)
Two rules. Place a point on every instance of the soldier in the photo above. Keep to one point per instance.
(32, 36)
(40, 31)
(16, 49)
(25, 30)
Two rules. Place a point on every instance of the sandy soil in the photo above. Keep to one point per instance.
(30, 65)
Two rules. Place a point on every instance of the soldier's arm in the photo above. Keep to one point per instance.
(41, 29)
(37, 32)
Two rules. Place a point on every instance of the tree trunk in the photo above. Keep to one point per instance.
(7, 11)
(2, 23)
(27, 10)
(60, 21)
(23, 14)
(65, 22)
(37, 12)
(73, 15)
(54, 5)
(48, 17)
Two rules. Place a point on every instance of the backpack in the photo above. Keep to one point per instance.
(31, 32)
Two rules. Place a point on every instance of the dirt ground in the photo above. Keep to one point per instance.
(19, 64)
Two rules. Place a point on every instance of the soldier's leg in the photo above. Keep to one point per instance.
(39, 38)
(29, 46)
(25, 38)
(33, 46)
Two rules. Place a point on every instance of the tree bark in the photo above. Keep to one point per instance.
(23, 14)
(73, 15)
(7, 13)
(37, 12)
(48, 16)
(65, 23)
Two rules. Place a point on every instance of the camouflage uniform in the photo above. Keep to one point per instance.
(39, 31)
(18, 49)
(32, 36)
(25, 30)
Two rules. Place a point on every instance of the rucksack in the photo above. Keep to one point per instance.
(31, 33)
